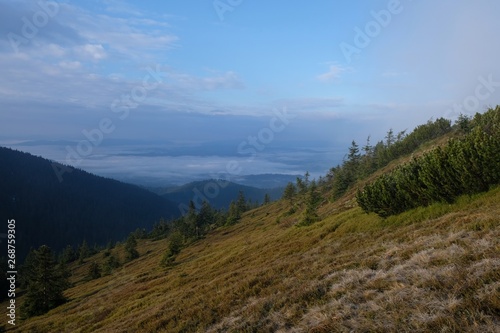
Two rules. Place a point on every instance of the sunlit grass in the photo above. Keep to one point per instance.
(435, 268)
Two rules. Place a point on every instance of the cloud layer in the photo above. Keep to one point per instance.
(173, 73)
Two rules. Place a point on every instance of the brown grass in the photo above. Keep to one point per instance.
(434, 269)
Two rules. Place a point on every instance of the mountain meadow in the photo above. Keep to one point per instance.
(403, 236)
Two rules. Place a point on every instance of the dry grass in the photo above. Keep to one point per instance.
(434, 269)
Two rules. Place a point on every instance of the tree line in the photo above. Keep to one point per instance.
(361, 162)
(467, 164)
(358, 164)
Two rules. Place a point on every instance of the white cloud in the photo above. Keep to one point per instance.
(133, 38)
(55, 50)
(93, 51)
(332, 74)
(70, 65)
(227, 80)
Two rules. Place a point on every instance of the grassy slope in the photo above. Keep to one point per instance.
(425, 270)
(430, 269)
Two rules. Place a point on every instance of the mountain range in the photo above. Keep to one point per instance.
(218, 193)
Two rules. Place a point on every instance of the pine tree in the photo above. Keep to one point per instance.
(94, 271)
(83, 252)
(267, 199)
(289, 193)
(368, 148)
(174, 248)
(64, 272)
(389, 138)
(234, 214)
(205, 218)
(68, 255)
(45, 286)
(367, 160)
(241, 203)
(131, 248)
(27, 269)
(301, 186)
(306, 179)
(190, 219)
(341, 181)
(110, 264)
(160, 229)
(313, 200)
(353, 157)
(464, 123)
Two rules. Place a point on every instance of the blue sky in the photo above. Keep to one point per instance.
(176, 90)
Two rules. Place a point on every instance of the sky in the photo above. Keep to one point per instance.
(167, 92)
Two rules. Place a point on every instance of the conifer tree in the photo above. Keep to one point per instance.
(289, 193)
(301, 186)
(176, 242)
(110, 264)
(389, 138)
(45, 286)
(131, 248)
(68, 255)
(313, 200)
(241, 203)
(233, 214)
(464, 123)
(267, 199)
(94, 271)
(27, 269)
(190, 220)
(306, 179)
(83, 252)
(205, 218)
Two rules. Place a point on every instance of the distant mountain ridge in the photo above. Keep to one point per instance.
(218, 193)
(266, 181)
(80, 207)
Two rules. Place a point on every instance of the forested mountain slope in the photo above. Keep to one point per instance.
(78, 206)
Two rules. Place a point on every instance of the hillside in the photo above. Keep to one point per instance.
(81, 206)
(435, 268)
(217, 193)
(312, 262)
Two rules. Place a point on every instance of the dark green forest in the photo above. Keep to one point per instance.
(80, 207)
